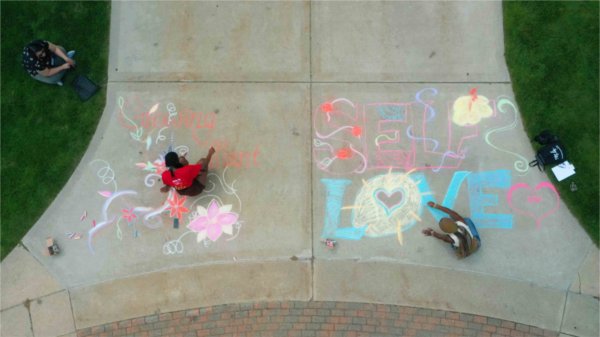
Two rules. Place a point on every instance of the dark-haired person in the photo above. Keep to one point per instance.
(47, 62)
(460, 232)
(187, 179)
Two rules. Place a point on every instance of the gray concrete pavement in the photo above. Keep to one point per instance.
(251, 134)
(210, 41)
(415, 41)
(306, 150)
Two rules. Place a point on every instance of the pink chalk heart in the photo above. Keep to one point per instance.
(390, 201)
(531, 200)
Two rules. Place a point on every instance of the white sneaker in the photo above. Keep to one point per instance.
(59, 83)
(70, 54)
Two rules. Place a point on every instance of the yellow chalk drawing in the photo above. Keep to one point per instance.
(386, 204)
(399, 233)
(469, 110)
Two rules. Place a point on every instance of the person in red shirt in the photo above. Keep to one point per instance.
(187, 179)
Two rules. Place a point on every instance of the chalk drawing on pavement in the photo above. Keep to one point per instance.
(470, 110)
(105, 173)
(537, 202)
(339, 143)
(176, 206)
(403, 135)
(385, 203)
(521, 165)
(210, 222)
(410, 139)
(149, 216)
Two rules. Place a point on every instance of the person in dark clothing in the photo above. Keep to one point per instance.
(47, 62)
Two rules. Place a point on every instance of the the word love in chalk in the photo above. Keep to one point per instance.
(403, 206)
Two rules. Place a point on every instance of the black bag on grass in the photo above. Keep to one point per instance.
(84, 87)
(550, 154)
(546, 137)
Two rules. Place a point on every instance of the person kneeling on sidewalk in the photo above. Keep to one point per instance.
(460, 232)
(187, 179)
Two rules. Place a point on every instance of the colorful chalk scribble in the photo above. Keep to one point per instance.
(176, 206)
(403, 138)
(537, 202)
(470, 110)
(154, 127)
(211, 222)
(521, 165)
(157, 125)
(386, 203)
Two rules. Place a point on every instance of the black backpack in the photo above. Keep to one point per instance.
(553, 152)
(546, 137)
(84, 87)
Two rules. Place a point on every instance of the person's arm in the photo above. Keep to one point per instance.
(165, 188)
(205, 161)
(211, 151)
(53, 71)
(58, 51)
(442, 237)
(455, 216)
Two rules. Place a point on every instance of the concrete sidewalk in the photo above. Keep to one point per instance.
(330, 120)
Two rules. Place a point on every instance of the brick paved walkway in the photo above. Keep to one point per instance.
(313, 319)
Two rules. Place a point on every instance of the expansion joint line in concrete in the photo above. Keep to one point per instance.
(564, 311)
(72, 310)
(29, 300)
(311, 82)
(312, 213)
(27, 305)
(591, 250)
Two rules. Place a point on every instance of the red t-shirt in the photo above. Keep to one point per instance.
(184, 176)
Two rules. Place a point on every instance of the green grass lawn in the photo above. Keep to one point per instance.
(46, 128)
(552, 55)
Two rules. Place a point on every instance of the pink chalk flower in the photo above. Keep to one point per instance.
(128, 214)
(214, 221)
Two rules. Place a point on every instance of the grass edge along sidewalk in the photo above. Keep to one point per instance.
(552, 55)
(46, 129)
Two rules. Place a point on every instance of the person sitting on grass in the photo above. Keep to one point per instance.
(460, 232)
(187, 179)
(47, 62)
